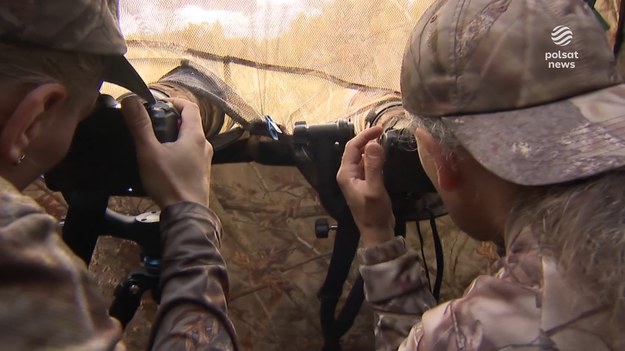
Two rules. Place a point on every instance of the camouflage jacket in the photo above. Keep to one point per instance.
(48, 300)
(526, 305)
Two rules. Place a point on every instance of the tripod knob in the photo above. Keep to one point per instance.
(322, 228)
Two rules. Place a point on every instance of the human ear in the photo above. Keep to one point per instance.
(28, 119)
(439, 160)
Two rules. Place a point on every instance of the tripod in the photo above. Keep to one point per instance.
(128, 293)
(88, 217)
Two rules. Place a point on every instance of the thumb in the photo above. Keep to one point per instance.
(373, 164)
(138, 121)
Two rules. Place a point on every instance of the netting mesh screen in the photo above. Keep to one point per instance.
(359, 41)
(290, 59)
(293, 60)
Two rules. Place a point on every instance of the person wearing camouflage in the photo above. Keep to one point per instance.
(55, 55)
(520, 122)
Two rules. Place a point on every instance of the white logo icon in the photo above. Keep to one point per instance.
(562, 35)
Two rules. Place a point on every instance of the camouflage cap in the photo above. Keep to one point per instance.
(529, 88)
(89, 26)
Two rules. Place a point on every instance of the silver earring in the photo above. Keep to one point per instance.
(20, 159)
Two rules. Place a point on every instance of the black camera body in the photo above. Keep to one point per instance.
(165, 120)
(318, 150)
(102, 156)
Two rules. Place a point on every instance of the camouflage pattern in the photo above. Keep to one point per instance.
(586, 128)
(85, 26)
(512, 88)
(49, 300)
(73, 25)
(526, 305)
(275, 263)
(194, 282)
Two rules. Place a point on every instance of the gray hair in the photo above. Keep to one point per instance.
(438, 129)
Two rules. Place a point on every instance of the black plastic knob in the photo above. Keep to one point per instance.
(322, 228)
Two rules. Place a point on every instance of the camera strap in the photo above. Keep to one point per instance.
(345, 246)
(620, 36)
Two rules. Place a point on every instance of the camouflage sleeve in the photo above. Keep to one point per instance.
(194, 283)
(396, 288)
(48, 300)
(495, 313)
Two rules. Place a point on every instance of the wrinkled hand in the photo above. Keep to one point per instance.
(176, 171)
(360, 179)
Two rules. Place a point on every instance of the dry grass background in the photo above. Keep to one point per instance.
(276, 264)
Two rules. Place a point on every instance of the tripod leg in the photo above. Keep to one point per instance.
(84, 222)
(345, 246)
(128, 295)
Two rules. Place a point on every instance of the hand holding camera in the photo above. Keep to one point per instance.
(361, 181)
(173, 171)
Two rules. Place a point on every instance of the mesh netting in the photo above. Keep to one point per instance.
(290, 59)
(293, 60)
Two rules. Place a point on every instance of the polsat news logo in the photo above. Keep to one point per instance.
(559, 59)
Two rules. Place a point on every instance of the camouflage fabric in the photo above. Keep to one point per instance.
(194, 282)
(522, 83)
(85, 26)
(526, 305)
(73, 25)
(275, 262)
(49, 300)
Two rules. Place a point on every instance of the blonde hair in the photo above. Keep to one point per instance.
(39, 65)
(582, 225)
